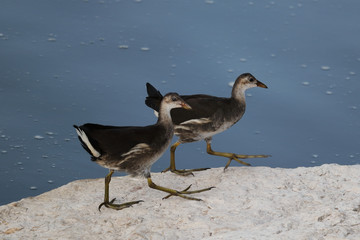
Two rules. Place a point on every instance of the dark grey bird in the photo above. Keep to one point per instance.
(209, 115)
(133, 149)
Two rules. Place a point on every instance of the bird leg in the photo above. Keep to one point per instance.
(173, 192)
(231, 156)
(111, 204)
(172, 168)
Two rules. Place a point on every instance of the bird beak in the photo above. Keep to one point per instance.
(185, 105)
(260, 84)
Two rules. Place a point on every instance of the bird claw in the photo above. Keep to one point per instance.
(112, 205)
(180, 192)
(234, 157)
(165, 170)
(185, 191)
(184, 172)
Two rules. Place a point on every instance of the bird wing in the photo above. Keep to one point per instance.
(118, 141)
(202, 107)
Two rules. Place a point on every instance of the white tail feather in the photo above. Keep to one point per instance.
(85, 140)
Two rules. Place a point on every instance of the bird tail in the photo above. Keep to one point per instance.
(86, 142)
(154, 97)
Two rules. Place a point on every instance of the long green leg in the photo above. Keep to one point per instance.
(231, 156)
(172, 168)
(173, 192)
(111, 204)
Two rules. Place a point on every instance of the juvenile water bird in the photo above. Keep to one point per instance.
(209, 115)
(133, 149)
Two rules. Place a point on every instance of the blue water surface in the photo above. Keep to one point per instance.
(72, 62)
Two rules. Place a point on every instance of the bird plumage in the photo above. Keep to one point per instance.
(209, 115)
(133, 149)
(115, 142)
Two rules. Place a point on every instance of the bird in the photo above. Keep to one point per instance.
(209, 115)
(133, 149)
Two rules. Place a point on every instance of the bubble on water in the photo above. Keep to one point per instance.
(248, 94)
(352, 73)
(313, 162)
(19, 163)
(145, 49)
(353, 107)
(38, 137)
(51, 39)
(209, 1)
(33, 188)
(243, 59)
(329, 92)
(325, 68)
(3, 151)
(44, 156)
(351, 156)
(305, 83)
(303, 65)
(50, 133)
(315, 155)
(1, 35)
(50, 181)
(230, 70)
(123, 46)
(67, 139)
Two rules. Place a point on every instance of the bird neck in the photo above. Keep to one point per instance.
(238, 95)
(164, 115)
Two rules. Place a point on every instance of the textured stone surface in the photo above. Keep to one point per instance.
(247, 203)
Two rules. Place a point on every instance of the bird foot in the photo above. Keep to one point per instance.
(184, 172)
(236, 159)
(112, 205)
(185, 191)
(250, 156)
(237, 156)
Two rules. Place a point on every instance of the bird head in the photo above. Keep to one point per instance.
(244, 82)
(173, 100)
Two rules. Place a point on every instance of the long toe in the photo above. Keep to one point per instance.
(187, 172)
(185, 192)
(165, 170)
(118, 206)
(251, 156)
(238, 160)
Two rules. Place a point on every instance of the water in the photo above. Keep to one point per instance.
(71, 62)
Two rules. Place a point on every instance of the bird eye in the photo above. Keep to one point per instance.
(174, 99)
(251, 79)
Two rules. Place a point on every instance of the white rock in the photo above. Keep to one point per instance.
(247, 203)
